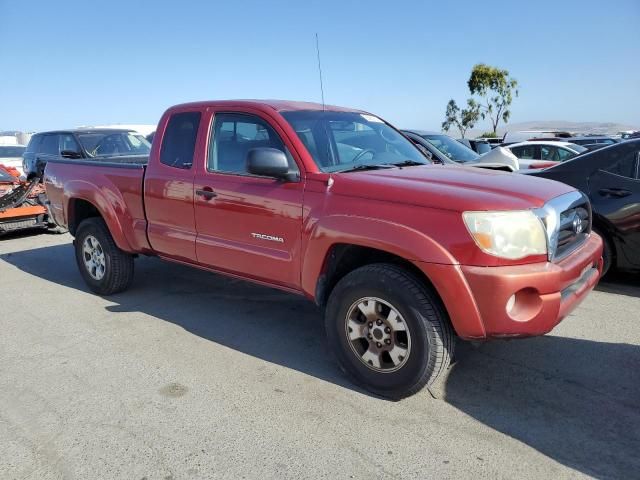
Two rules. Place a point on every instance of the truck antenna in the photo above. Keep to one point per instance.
(320, 70)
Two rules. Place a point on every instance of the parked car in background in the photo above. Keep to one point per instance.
(445, 145)
(81, 144)
(479, 146)
(11, 156)
(338, 206)
(526, 135)
(611, 178)
(532, 152)
(592, 139)
(492, 141)
(443, 149)
(629, 134)
(594, 146)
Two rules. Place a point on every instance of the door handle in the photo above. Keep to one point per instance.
(614, 192)
(207, 193)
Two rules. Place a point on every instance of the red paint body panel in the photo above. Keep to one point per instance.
(476, 297)
(115, 192)
(245, 205)
(414, 213)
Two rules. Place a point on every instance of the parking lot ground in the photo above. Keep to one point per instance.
(193, 375)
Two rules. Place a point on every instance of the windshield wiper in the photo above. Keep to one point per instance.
(365, 166)
(406, 163)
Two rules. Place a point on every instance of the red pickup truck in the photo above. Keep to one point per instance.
(337, 205)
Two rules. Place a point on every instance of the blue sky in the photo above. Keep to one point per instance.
(69, 63)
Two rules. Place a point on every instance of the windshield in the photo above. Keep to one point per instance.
(11, 151)
(577, 148)
(451, 148)
(99, 144)
(340, 141)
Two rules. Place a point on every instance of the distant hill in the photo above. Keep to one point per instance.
(602, 128)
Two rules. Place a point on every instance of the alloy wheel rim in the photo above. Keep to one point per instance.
(378, 334)
(94, 258)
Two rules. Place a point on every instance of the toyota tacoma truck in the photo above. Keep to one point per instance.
(337, 205)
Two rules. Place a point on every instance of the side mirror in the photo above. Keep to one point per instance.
(70, 154)
(268, 162)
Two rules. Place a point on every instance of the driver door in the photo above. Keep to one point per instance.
(246, 224)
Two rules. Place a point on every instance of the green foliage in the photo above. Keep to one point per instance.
(496, 88)
(488, 135)
(463, 119)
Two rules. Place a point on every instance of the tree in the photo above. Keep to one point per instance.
(488, 135)
(497, 88)
(463, 119)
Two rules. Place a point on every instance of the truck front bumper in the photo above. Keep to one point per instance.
(516, 301)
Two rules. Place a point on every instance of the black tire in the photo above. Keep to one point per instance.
(431, 337)
(118, 265)
(607, 253)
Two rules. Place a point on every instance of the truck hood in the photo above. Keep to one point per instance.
(449, 187)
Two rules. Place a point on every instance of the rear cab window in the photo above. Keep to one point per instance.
(179, 140)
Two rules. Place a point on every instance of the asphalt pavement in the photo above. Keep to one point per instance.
(190, 375)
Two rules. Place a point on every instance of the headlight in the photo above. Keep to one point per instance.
(512, 235)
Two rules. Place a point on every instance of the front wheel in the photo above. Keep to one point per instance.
(388, 330)
(607, 252)
(105, 268)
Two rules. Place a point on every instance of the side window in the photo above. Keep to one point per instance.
(548, 152)
(34, 143)
(233, 135)
(525, 152)
(627, 166)
(49, 145)
(564, 154)
(179, 140)
(68, 143)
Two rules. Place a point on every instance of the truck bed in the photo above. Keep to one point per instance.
(133, 161)
(112, 184)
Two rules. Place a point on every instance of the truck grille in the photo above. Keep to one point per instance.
(574, 228)
(567, 220)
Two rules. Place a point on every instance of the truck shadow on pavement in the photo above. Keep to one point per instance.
(620, 283)
(575, 401)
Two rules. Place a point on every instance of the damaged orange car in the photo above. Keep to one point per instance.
(22, 203)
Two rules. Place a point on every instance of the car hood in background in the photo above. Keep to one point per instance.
(500, 156)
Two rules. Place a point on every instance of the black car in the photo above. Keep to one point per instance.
(610, 176)
(443, 148)
(81, 143)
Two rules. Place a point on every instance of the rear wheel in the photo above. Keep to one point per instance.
(105, 268)
(388, 330)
